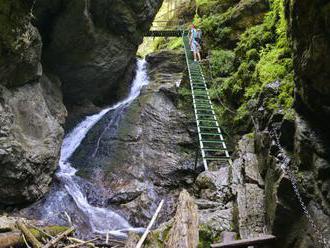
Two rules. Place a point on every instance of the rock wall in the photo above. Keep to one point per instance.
(84, 50)
(309, 29)
(287, 147)
(147, 153)
(31, 109)
(91, 45)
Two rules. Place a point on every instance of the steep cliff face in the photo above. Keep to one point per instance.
(146, 152)
(83, 50)
(310, 32)
(31, 109)
(91, 45)
(277, 74)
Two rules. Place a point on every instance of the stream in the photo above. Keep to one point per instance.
(68, 195)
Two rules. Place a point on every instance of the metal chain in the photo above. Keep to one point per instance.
(286, 161)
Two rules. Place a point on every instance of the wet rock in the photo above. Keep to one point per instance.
(311, 42)
(206, 204)
(251, 208)
(184, 231)
(214, 185)
(91, 45)
(20, 51)
(31, 117)
(7, 224)
(217, 220)
(133, 239)
(246, 184)
(246, 167)
(153, 130)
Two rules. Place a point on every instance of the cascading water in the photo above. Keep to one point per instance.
(100, 220)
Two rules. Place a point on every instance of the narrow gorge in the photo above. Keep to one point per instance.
(98, 127)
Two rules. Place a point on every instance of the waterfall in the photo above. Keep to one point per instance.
(101, 220)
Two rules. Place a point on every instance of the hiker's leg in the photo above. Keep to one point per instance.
(199, 56)
(195, 56)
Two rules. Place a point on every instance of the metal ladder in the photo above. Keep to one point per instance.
(212, 144)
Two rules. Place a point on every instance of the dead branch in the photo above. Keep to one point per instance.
(29, 236)
(57, 239)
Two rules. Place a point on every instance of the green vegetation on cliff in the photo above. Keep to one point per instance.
(249, 49)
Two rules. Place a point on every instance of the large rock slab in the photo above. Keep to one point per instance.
(309, 30)
(91, 45)
(247, 184)
(150, 156)
(184, 232)
(20, 50)
(30, 140)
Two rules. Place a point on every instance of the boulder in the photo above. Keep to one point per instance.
(184, 232)
(30, 139)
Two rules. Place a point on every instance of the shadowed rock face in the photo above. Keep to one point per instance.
(87, 49)
(310, 31)
(91, 45)
(147, 154)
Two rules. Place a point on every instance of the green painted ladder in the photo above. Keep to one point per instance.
(212, 144)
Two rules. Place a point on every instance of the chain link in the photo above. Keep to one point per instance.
(285, 166)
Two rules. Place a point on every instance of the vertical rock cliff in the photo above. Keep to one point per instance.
(84, 50)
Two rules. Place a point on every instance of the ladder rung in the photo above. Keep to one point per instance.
(216, 159)
(204, 109)
(204, 93)
(203, 106)
(201, 95)
(206, 120)
(210, 115)
(207, 127)
(213, 141)
(212, 134)
(214, 150)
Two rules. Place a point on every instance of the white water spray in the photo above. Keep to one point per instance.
(101, 220)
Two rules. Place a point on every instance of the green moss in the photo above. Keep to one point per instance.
(205, 236)
(222, 62)
(261, 56)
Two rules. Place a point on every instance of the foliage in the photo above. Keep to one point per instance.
(222, 61)
(261, 56)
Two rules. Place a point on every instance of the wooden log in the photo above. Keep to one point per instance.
(29, 236)
(81, 243)
(184, 231)
(59, 238)
(145, 234)
(75, 240)
(15, 238)
(266, 239)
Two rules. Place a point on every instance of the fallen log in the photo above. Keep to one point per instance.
(75, 240)
(59, 238)
(15, 238)
(29, 236)
(81, 243)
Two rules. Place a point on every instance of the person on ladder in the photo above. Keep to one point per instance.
(194, 44)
